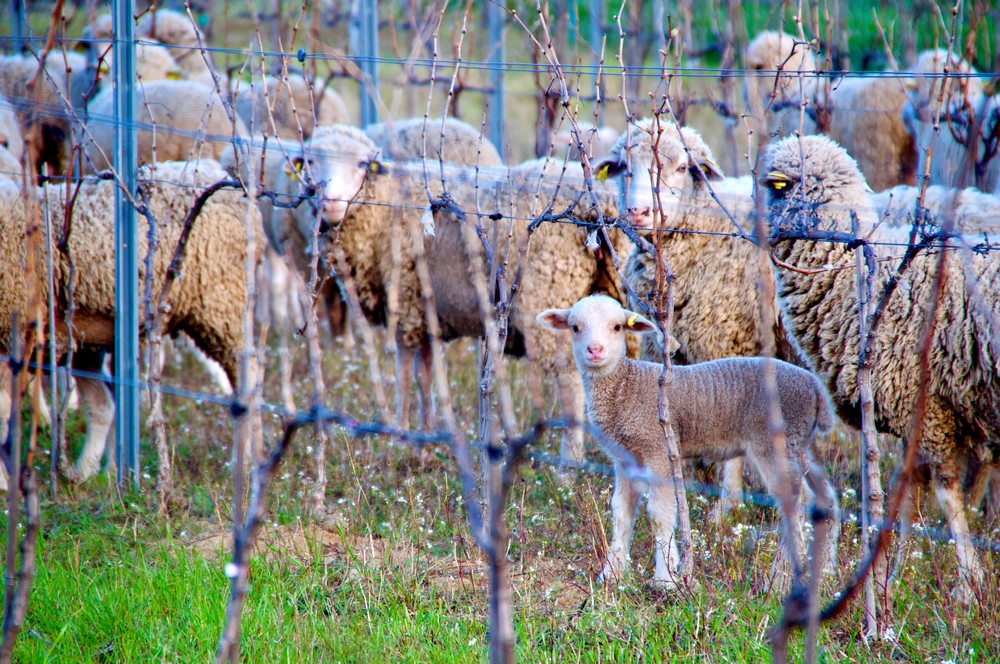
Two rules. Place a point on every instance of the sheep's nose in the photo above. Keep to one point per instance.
(641, 217)
(595, 349)
(335, 209)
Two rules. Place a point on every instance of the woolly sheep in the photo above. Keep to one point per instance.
(153, 62)
(961, 417)
(971, 211)
(41, 105)
(864, 114)
(718, 410)
(10, 130)
(597, 142)
(372, 209)
(713, 273)
(206, 303)
(290, 102)
(417, 138)
(188, 121)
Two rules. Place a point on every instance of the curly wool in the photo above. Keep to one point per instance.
(970, 211)
(290, 102)
(208, 300)
(964, 371)
(417, 138)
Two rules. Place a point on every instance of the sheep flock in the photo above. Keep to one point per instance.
(419, 230)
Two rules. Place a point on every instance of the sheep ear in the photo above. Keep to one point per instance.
(710, 169)
(608, 168)
(554, 319)
(376, 167)
(639, 323)
(293, 167)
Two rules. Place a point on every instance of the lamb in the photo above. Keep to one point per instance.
(769, 52)
(961, 418)
(370, 208)
(187, 120)
(153, 62)
(597, 142)
(207, 302)
(291, 103)
(713, 272)
(718, 410)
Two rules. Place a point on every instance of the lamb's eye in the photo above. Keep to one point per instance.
(618, 327)
(575, 328)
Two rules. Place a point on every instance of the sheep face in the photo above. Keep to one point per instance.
(802, 174)
(674, 170)
(598, 324)
(925, 86)
(338, 169)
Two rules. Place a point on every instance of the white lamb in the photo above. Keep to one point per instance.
(718, 411)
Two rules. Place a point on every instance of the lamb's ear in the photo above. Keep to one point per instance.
(554, 319)
(609, 167)
(294, 165)
(639, 323)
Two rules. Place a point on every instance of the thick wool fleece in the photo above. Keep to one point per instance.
(969, 210)
(416, 138)
(206, 302)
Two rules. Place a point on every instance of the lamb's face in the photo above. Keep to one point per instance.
(647, 184)
(339, 170)
(765, 54)
(598, 324)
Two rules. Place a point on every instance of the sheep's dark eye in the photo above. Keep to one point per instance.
(618, 327)
(575, 328)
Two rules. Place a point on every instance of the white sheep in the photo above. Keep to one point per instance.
(972, 212)
(206, 303)
(153, 62)
(186, 120)
(713, 272)
(414, 139)
(373, 203)
(284, 106)
(961, 419)
(718, 411)
(862, 113)
(41, 105)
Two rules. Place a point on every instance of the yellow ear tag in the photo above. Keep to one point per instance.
(174, 75)
(632, 319)
(778, 185)
(602, 174)
(374, 167)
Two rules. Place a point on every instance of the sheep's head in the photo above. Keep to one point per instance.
(924, 85)
(337, 163)
(768, 52)
(647, 150)
(811, 183)
(598, 324)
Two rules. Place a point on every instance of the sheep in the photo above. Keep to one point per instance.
(370, 209)
(187, 120)
(206, 303)
(961, 417)
(971, 211)
(597, 142)
(420, 138)
(288, 106)
(713, 273)
(718, 410)
(153, 62)
(864, 114)
(39, 105)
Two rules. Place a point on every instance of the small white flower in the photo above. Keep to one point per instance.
(473, 641)
(889, 635)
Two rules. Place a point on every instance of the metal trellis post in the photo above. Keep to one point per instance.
(498, 54)
(19, 27)
(363, 38)
(126, 249)
(596, 43)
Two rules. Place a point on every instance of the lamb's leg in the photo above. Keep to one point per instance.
(623, 502)
(793, 541)
(731, 490)
(99, 411)
(662, 508)
(948, 489)
(827, 513)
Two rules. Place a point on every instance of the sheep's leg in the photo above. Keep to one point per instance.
(623, 502)
(404, 379)
(793, 541)
(425, 365)
(662, 508)
(99, 410)
(573, 402)
(6, 405)
(949, 494)
(827, 513)
(281, 285)
(731, 490)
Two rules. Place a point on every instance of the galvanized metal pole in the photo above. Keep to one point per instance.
(126, 248)
(363, 42)
(495, 15)
(597, 43)
(19, 26)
